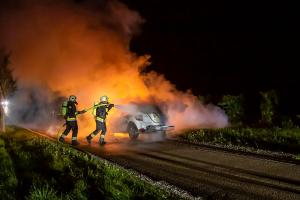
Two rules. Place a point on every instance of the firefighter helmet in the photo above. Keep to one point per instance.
(72, 98)
(104, 99)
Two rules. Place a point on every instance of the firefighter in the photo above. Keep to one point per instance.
(100, 111)
(70, 112)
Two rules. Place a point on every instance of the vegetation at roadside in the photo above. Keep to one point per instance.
(271, 131)
(233, 107)
(8, 183)
(36, 168)
(275, 139)
(263, 109)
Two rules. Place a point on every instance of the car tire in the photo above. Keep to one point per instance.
(133, 131)
(163, 134)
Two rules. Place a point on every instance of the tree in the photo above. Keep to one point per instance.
(268, 106)
(233, 107)
(7, 85)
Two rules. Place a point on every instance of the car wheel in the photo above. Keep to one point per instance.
(133, 131)
(162, 134)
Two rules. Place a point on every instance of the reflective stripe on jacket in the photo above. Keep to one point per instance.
(71, 119)
(100, 119)
(101, 110)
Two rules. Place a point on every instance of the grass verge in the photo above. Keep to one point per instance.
(276, 139)
(36, 168)
(8, 183)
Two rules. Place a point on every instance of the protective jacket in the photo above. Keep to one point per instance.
(72, 111)
(102, 110)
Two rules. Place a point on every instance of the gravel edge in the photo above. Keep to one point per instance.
(161, 184)
(242, 149)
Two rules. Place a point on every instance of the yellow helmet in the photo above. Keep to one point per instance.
(104, 99)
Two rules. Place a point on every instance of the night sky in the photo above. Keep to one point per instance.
(211, 46)
(214, 47)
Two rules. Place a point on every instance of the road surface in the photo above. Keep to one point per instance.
(205, 172)
(202, 171)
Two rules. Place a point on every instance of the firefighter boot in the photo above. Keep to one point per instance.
(89, 139)
(62, 139)
(75, 142)
(101, 141)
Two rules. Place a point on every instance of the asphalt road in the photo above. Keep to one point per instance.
(206, 172)
(203, 171)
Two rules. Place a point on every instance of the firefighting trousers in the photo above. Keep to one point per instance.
(71, 125)
(100, 126)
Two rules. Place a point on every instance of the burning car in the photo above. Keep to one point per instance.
(145, 120)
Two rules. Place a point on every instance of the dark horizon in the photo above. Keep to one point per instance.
(217, 48)
(227, 48)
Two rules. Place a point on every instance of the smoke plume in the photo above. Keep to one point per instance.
(64, 47)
